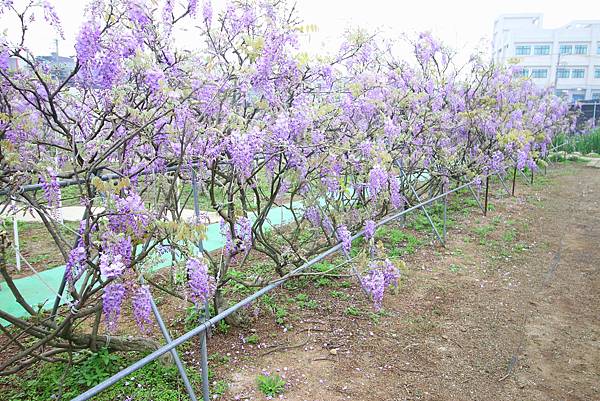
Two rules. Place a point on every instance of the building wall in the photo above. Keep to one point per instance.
(515, 33)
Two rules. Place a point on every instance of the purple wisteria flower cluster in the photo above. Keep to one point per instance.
(382, 274)
(201, 284)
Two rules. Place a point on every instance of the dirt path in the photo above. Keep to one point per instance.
(510, 310)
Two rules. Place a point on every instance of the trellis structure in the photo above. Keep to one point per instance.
(202, 329)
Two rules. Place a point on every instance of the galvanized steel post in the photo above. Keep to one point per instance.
(203, 334)
(487, 187)
(173, 351)
(445, 217)
(514, 180)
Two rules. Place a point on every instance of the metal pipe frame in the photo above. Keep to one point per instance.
(206, 325)
(204, 334)
(487, 188)
(476, 197)
(416, 195)
(503, 183)
(186, 381)
(208, 322)
(75, 181)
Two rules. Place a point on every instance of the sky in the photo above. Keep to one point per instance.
(462, 24)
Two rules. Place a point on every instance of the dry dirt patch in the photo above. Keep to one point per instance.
(503, 313)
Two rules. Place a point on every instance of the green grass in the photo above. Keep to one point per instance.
(155, 381)
(270, 385)
(583, 143)
(353, 311)
(401, 243)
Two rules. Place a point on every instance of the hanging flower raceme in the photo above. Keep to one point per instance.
(369, 230)
(241, 239)
(201, 284)
(130, 216)
(52, 192)
(142, 308)
(243, 231)
(378, 179)
(116, 254)
(112, 299)
(313, 215)
(343, 235)
(382, 274)
(76, 263)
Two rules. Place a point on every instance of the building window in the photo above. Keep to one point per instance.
(596, 96)
(541, 50)
(580, 49)
(562, 73)
(598, 49)
(597, 72)
(577, 97)
(566, 49)
(539, 73)
(521, 72)
(578, 73)
(523, 50)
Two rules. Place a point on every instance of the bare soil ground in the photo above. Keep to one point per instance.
(509, 310)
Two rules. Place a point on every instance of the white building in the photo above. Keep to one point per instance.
(565, 58)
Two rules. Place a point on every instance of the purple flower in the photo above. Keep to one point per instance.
(369, 229)
(130, 215)
(343, 235)
(522, 158)
(391, 274)
(193, 6)
(52, 191)
(374, 284)
(111, 265)
(153, 79)
(313, 215)
(4, 58)
(112, 298)
(381, 275)
(87, 44)
(396, 198)
(75, 263)
(243, 231)
(201, 284)
(207, 11)
(378, 178)
(497, 161)
(137, 13)
(142, 308)
(241, 240)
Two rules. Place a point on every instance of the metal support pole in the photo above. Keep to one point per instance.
(487, 188)
(524, 176)
(16, 239)
(503, 183)
(437, 234)
(475, 196)
(203, 335)
(514, 180)
(63, 283)
(186, 381)
(445, 217)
